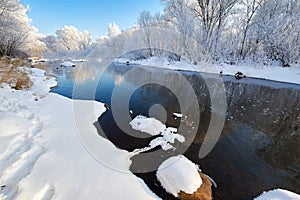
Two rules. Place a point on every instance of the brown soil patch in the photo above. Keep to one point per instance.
(12, 73)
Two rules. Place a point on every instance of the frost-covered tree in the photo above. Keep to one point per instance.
(145, 21)
(12, 36)
(276, 30)
(72, 39)
(258, 30)
(180, 14)
(6, 6)
(247, 11)
(202, 20)
(68, 37)
(85, 40)
(212, 17)
(17, 36)
(113, 30)
(52, 44)
(34, 45)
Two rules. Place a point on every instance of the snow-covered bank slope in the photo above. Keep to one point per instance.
(41, 156)
(276, 73)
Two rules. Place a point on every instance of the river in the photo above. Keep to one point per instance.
(258, 148)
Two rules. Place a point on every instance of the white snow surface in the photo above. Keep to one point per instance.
(269, 72)
(46, 193)
(278, 194)
(42, 84)
(160, 62)
(154, 127)
(67, 64)
(179, 174)
(178, 115)
(148, 125)
(41, 156)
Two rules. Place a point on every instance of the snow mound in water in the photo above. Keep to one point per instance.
(148, 125)
(154, 127)
(179, 174)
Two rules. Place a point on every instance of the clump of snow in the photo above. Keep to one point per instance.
(179, 174)
(168, 137)
(147, 125)
(278, 194)
(178, 115)
(67, 64)
(154, 127)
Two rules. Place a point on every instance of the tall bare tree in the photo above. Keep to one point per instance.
(249, 7)
(145, 21)
(212, 15)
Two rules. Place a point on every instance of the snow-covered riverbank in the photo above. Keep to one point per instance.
(269, 72)
(41, 155)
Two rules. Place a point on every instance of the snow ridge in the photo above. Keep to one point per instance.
(46, 193)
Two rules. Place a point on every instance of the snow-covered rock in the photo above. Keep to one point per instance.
(178, 174)
(278, 194)
(203, 193)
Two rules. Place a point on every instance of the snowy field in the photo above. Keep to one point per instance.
(269, 72)
(41, 156)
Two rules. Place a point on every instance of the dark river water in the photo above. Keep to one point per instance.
(258, 148)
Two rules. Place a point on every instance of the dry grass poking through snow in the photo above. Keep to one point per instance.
(12, 73)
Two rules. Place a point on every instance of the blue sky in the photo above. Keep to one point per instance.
(91, 15)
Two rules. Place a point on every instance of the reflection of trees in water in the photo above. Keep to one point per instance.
(90, 70)
(83, 72)
(118, 79)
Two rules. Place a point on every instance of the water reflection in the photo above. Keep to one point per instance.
(118, 79)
